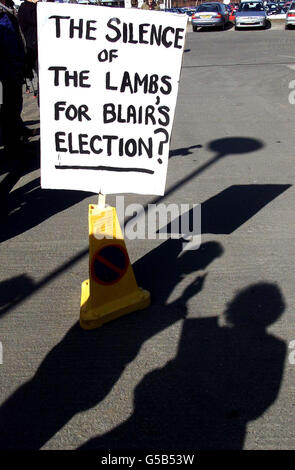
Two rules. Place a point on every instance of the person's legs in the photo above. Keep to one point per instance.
(12, 124)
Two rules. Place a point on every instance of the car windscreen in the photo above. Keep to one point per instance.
(251, 6)
(208, 8)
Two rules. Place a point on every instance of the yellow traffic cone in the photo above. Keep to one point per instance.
(111, 290)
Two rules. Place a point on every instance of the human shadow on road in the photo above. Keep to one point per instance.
(14, 289)
(21, 161)
(228, 210)
(234, 206)
(12, 168)
(82, 369)
(221, 379)
(30, 205)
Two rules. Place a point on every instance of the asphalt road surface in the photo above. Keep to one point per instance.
(208, 365)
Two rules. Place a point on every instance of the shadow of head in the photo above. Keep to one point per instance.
(256, 306)
(234, 145)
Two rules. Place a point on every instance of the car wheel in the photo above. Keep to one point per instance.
(222, 27)
(236, 28)
(195, 29)
(286, 26)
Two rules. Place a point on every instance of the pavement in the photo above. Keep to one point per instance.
(209, 364)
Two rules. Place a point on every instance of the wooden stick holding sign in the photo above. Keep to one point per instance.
(101, 201)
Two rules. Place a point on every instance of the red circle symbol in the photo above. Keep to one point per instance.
(109, 264)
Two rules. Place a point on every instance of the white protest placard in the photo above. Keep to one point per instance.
(108, 88)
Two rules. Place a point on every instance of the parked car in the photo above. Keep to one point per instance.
(290, 16)
(272, 9)
(174, 10)
(251, 14)
(210, 14)
(188, 11)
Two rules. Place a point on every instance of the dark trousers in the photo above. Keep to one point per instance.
(10, 114)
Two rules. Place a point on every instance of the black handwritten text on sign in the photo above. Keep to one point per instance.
(106, 122)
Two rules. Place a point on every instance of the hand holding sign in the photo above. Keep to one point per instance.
(108, 88)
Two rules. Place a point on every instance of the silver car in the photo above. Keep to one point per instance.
(210, 14)
(250, 14)
(290, 16)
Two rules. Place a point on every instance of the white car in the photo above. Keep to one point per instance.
(290, 16)
(250, 14)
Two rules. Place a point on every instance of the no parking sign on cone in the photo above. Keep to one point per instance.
(111, 290)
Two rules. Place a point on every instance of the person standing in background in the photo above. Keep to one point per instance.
(150, 5)
(27, 17)
(12, 66)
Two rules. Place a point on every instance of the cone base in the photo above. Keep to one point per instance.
(92, 317)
